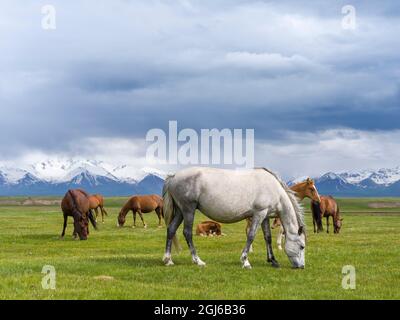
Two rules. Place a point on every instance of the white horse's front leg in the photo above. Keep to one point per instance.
(168, 260)
(255, 222)
(196, 260)
(279, 238)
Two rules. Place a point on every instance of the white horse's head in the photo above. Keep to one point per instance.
(295, 247)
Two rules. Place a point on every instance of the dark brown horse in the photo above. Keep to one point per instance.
(97, 202)
(327, 207)
(76, 204)
(141, 204)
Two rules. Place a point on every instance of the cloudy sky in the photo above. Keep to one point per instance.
(320, 97)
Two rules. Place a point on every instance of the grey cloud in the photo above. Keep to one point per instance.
(118, 71)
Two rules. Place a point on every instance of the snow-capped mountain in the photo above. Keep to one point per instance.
(54, 177)
(380, 176)
(381, 182)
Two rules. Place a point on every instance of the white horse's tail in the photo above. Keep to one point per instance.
(298, 208)
(169, 210)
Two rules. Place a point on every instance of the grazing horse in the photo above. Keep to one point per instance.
(305, 189)
(209, 228)
(97, 201)
(141, 204)
(327, 207)
(230, 196)
(76, 204)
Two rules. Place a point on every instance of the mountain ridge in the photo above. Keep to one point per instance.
(54, 177)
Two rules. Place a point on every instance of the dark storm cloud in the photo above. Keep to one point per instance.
(119, 70)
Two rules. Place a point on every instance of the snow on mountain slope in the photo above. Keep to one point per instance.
(12, 175)
(380, 176)
(131, 174)
(88, 169)
(64, 170)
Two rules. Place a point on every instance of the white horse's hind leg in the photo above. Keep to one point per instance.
(246, 264)
(171, 231)
(188, 233)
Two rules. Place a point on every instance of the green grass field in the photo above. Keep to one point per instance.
(131, 259)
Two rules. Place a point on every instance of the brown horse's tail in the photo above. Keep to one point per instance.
(101, 203)
(316, 213)
(92, 219)
(104, 210)
(168, 211)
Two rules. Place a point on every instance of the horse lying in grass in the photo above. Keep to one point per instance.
(305, 189)
(141, 204)
(230, 196)
(97, 202)
(327, 207)
(209, 228)
(76, 204)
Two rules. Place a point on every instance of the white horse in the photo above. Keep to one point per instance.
(229, 196)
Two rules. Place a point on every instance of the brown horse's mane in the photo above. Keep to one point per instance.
(74, 206)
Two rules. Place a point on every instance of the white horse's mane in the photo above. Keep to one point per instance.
(298, 208)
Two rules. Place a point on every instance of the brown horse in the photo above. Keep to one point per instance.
(327, 207)
(76, 204)
(209, 228)
(97, 202)
(141, 204)
(305, 189)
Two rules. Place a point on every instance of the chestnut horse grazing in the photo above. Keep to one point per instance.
(97, 202)
(141, 204)
(327, 207)
(305, 189)
(76, 204)
(209, 228)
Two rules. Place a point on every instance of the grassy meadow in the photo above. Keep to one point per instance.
(125, 263)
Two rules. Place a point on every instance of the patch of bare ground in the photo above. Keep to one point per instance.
(380, 205)
(29, 202)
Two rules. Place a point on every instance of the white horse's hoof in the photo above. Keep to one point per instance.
(280, 247)
(168, 261)
(133, 227)
(246, 265)
(145, 226)
(199, 262)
